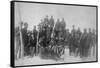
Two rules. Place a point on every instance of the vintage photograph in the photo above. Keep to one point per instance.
(53, 33)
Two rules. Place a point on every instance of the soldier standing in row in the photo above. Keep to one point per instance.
(89, 42)
(83, 44)
(25, 38)
(33, 41)
(35, 38)
(73, 43)
(94, 42)
(30, 43)
(78, 38)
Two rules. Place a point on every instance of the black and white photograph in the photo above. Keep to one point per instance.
(46, 33)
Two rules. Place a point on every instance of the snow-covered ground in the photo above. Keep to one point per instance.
(67, 59)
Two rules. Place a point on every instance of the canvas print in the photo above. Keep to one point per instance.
(54, 33)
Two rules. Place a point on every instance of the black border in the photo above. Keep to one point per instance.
(12, 64)
(12, 34)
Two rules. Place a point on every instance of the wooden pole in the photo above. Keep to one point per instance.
(20, 27)
(37, 44)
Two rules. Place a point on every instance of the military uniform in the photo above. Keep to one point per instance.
(25, 40)
(73, 42)
(84, 45)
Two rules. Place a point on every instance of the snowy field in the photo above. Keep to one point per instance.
(66, 59)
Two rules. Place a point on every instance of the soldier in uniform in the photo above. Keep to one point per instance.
(83, 44)
(25, 38)
(49, 30)
(30, 43)
(73, 42)
(34, 37)
(94, 41)
(78, 37)
(43, 33)
(51, 22)
(56, 31)
(90, 42)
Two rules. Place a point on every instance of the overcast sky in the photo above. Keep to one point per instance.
(32, 13)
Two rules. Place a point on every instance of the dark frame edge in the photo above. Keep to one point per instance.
(56, 3)
(97, 33)
(12, 34)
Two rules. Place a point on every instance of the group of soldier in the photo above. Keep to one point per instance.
(52, 38)
(82, 43)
